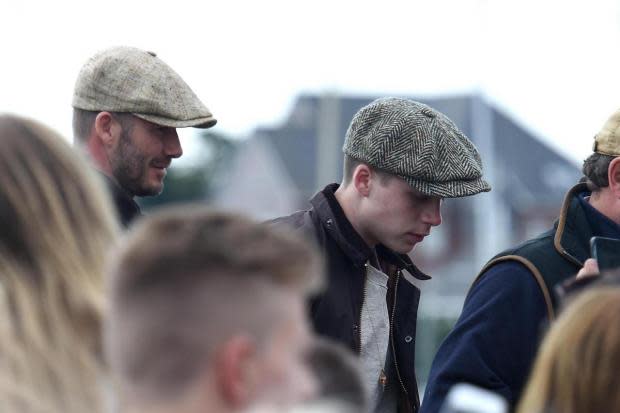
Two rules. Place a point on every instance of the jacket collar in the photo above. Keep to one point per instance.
(573, 233)
(332, 217)
(126, 207)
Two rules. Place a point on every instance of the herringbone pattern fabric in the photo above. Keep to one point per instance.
(126, 79)
(419, 144)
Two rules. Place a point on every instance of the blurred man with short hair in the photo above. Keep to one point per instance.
(207, 314)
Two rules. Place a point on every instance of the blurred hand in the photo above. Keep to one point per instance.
(590, 269)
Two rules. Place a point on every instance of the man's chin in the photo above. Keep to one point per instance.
(408, 247)
(153, 190)
(402, 248)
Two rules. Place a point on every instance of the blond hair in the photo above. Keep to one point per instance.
(576, 369)
(56, 227)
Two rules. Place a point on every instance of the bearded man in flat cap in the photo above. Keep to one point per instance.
(401, 158)
(127, 104)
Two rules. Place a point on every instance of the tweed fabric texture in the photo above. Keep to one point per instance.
(417, 143)
(607, 141)
(126, 79)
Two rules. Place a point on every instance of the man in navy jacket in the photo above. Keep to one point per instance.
(495, 340)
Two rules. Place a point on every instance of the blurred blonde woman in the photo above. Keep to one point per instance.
(577, 366)
(55, 228)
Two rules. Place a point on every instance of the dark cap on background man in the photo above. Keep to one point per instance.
(419, 144)
(130, 80)
(607, 141)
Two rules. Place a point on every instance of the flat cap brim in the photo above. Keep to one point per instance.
(449, 189)
(202, 123)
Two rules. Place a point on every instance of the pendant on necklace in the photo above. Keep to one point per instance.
(382, 378)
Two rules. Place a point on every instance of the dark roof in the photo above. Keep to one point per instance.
(530, 171)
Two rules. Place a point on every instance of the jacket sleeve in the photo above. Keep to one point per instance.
(494, 341)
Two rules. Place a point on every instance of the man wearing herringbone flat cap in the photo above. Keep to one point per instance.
(401, 158)
(127, 104)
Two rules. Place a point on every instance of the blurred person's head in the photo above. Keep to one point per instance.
(339, 376)
(576, 369)
(208, 313)
(401, 159)
(127, 105)
(56, 225)
(340, 387)
(602, 169)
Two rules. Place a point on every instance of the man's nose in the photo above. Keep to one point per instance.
(432, 214)
(172, 144)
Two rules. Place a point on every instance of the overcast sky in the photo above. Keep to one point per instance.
(552, 65)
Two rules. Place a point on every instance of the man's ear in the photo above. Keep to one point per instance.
(362, 179)
(613, 175)
(236, 371)
(107, 129)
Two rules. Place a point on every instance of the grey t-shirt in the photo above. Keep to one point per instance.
(375, 336)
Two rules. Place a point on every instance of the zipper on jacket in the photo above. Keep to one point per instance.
(402, 385)
(359, 317)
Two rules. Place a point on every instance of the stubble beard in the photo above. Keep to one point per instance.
(130, 168)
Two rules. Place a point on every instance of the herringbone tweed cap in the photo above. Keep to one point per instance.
(126, 79)
(607, 141)
(417, 143)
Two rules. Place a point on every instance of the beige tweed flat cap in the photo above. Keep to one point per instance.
(417, 143)
(607, 141)
(126, 79)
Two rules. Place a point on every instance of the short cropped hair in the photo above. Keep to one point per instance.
(351, 163)
(84, 120)
(185, 280)
(595, 169)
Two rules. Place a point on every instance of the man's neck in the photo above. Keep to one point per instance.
(605, 203)
(350, 206)
(98, 156)
(113, 182)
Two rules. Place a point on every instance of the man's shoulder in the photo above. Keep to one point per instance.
(538, 251)
(505, 273)
(540, 254)
(513, 264)
(541, 243)
(296, 220)
(535, 264)
(302, 221)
